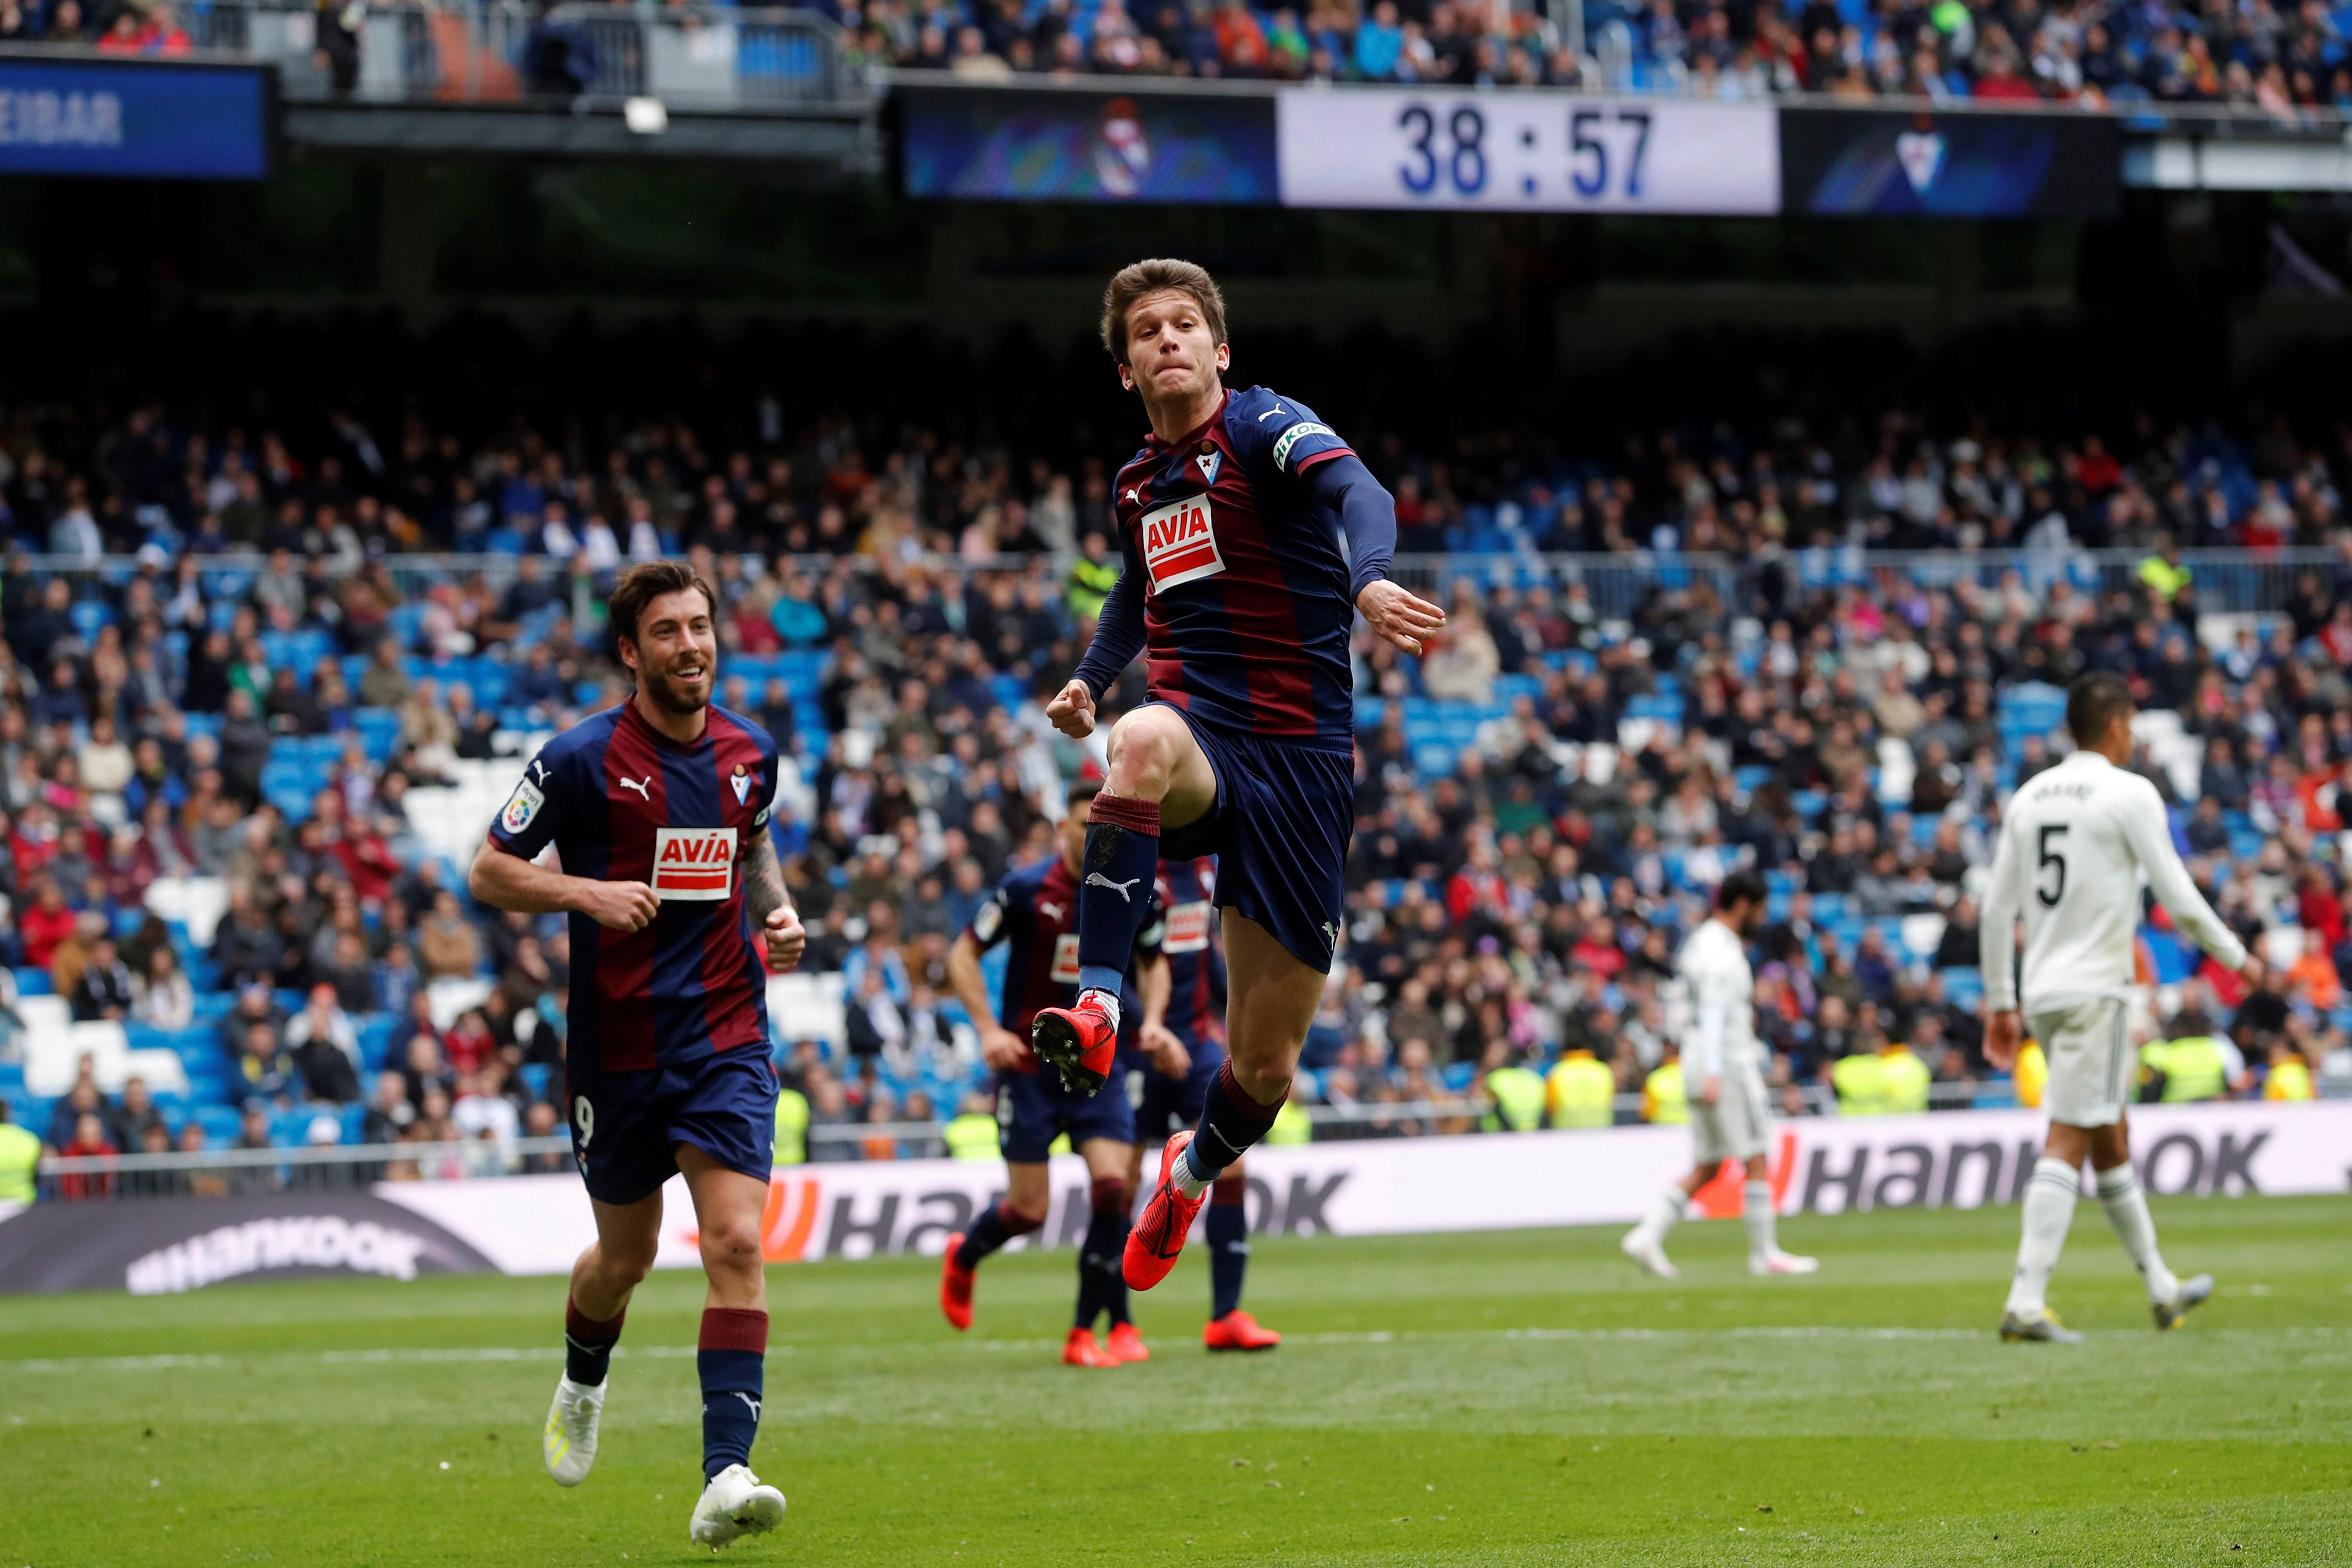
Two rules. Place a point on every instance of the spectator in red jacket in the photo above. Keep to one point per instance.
(89, 1139)
(45, 925)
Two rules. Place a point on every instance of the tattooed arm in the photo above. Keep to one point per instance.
(770, 905)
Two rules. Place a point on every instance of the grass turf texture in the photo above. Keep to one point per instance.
(1509, 1397)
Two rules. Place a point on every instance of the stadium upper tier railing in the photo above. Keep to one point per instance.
(715, 59)
(2226, 580)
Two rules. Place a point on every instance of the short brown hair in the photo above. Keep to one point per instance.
(643, 583)
(2092, 703)
(1160, 275)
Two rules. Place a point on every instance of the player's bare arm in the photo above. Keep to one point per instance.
(509, 882)
(1000, 1047)
(765, 896)
(1154, 985)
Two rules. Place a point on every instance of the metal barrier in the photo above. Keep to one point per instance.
(500, 51)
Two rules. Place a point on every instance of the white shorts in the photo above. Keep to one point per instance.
(2091, 1062)
(1734, 1126)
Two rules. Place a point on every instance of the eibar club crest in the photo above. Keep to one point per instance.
(741, 779)
(1208, 461)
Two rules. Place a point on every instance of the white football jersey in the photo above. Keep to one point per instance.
(1715, 1018)
(2076, 843)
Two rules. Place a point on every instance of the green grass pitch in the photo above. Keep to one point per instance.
(1505, 1398)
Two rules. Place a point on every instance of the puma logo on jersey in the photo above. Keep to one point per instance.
(539, 768)
(639, 785)
(1051, 911)
(1133, 497)
(1096, 879)
(1270, 413)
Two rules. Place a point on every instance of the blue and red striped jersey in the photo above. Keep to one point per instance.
(622, 802)
(1034, 911)
(1244, 593)
(1196, 959)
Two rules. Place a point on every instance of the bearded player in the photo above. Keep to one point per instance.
(1723, 1063)
(1235, 589)
(659, 810)
(1187, 1052)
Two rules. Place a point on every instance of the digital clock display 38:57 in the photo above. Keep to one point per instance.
(1523, 151)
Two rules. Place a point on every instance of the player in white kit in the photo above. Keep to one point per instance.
(1723, 1069)
(2075, 843)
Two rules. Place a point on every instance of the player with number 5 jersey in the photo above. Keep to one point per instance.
(657, 811)
(2078, 842)
(1236, 591)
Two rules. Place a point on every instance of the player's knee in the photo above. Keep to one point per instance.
(625, 1264)
(1021, 1221)
(1145, 748)
(732, 1246)
(1112, 1195)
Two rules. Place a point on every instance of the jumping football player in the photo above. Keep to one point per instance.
(658, 809)
(1723, 1066)
(1189, 1051)
(2076, 842)
(1235, 587)
(1036, 911)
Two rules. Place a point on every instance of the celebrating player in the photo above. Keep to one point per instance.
(1036, 911)
(1188, 1053)
(1234, 586)
(1723, 1068)
(2075, 842)
(659, 810)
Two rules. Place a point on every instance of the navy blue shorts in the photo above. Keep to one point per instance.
(626, 1126)
(1164, 1104)
(1279, 830)
(1031, 1109)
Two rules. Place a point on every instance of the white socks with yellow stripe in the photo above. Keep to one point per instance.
(2126, 1207)
(2049, 1209)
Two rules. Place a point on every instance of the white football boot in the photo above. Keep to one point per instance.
(570, 1441)
(1779, 1262)
(735, 1504)
(1643, 1248)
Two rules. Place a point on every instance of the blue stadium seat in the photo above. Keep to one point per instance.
(32, 981)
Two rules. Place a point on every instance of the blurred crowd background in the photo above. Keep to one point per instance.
(270, 657)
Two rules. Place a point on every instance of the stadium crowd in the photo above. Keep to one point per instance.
(2276, 57)
(2281, 59)
(1543, 801)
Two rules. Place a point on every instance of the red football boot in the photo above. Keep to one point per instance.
(1237, 1331)
(1123, 1343)
(1078, 1042)
(955, 1286)
(1159, 1237)
(1080, 1349)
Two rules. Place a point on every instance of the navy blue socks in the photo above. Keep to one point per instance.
(588, 1344)
(991, 1231)
(731, 1356)
(1115, 883)
(1228, 1225)
(1231, 1121)
(1102, 1284)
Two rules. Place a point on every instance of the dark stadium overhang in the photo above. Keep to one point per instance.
(841, 143)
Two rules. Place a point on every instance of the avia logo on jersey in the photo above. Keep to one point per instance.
(1179, 544)
(1066, 960)
(693, 863)
(1188, 929)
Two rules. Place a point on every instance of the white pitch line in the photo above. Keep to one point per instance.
(1358, 1337)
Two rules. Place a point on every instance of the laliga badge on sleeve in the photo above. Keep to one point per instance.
(522, 806)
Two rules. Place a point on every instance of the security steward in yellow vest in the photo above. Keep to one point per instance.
(20, 1159)
(1291, 1125)
(2191, 1069)
(1580, 1091)
(1664, 1103)
(792, 1126)
(972, 1133)
(1860, 1080)
(1903, 1078)
(2290, 1076)
(1518, 1096)
(1092, 577)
